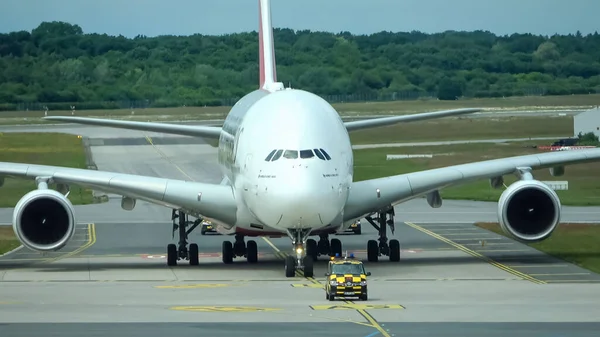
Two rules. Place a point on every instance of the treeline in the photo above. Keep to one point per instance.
(56, 62)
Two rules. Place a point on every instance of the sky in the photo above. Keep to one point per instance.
(215, 17)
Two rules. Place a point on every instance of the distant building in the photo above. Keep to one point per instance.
(587, 121)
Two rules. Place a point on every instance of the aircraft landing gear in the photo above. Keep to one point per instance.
(302, 259)
(392, 249)
(248, 250)
(181, 251)
(323, 247)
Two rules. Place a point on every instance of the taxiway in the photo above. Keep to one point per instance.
(115, 272)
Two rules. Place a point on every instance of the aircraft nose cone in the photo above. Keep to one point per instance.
(300, 200)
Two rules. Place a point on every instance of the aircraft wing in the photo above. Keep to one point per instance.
(364, 199)
(183, 130)
(211, 200)
(386, 121)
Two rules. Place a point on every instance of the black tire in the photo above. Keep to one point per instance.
(202, 232)
(364, 297)
(311, 249)
(357, 231)
(308, 266)
(193, 254)
(394, 250)
(290, 266)
(331, 297)
(336, 247)
(171, 255)
(251, 251)
(227, 251)
(372, 251)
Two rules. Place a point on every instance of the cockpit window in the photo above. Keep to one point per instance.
(319, 154)
(270, 155)
(305, 154)
(325, 154)
(277, 155)
(290, 154)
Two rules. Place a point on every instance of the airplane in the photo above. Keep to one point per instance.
(287, 165)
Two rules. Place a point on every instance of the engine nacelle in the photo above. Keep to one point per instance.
(529, 210)
(44, 220)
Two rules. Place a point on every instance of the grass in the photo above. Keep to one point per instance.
(467, 129)
(393, 107)
(584, 187)
(45, 149)
(525, 102)
(575, 243)
(8, 241)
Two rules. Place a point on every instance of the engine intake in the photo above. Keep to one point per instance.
(529, 210)
(43, 220)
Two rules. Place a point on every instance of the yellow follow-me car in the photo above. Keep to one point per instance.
(346, 277)
(207, 227)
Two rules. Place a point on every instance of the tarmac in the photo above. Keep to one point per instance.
(453, 278)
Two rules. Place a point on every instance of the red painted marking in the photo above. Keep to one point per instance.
(261, 49)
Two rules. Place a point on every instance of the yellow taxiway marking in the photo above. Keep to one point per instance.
(476, 254)
(312, 285)
(354, 306)
(90, 242)
(195, 286)
(371, 320)
(222, 309)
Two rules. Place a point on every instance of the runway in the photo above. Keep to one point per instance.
(115, 279)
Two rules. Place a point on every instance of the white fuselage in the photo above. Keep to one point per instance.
(289, 159)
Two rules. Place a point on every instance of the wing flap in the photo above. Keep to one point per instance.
(210, 200)
(364, 197)
(183, 130)
(386, 121)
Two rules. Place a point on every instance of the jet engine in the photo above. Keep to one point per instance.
(43, 220)
(529, 210)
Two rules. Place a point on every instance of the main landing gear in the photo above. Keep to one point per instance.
(392, 249)
(248, 250)
(323, 247)
(181, 251)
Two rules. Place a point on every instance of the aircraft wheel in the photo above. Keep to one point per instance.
(251, 251)
(193, 254)
(311, 249)
(336, 247)
(290, 266)
(394, 250)
(308, 266)
(227, 252)
(372, 251)
(171, 255)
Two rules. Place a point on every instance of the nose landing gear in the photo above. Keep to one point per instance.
(299, 260)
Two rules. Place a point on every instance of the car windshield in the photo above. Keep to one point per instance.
(347, 269)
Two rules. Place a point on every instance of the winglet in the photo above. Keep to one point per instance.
(266, 45)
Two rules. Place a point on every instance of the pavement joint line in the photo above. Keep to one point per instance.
(476, 254)
(162, 154)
